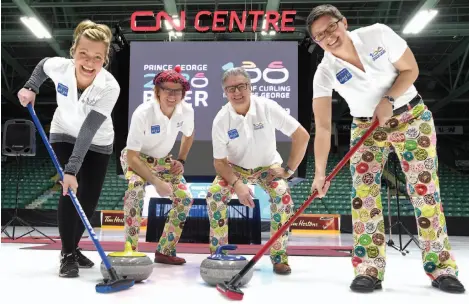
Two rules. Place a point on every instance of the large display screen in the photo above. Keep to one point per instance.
(273, 67)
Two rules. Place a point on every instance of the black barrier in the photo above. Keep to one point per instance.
(244, 224)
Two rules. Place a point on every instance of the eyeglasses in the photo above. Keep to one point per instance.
(330, 29)
(241, 87)
(176, 92)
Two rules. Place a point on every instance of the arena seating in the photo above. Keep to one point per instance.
(111, 196)
(39, 188)
(337, 200)
(35, 180)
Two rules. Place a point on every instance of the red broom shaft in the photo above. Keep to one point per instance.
(315, 193)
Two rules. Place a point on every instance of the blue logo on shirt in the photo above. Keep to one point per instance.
(343, 76)
(155, 129)
(233, 134)
(62, 89)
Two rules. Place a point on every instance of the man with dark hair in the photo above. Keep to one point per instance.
(374, 70)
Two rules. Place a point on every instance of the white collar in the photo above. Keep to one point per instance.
(158, 112)
(100, 79)
(252, 108)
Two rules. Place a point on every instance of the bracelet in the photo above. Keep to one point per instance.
(70, 173)
(234, 183)
(182, 161)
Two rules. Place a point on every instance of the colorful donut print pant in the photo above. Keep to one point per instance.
(281, 206)
(413, 136)
(133, 201)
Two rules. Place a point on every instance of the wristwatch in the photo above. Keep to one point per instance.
(390, 98)
(182, 161)
(289, 171)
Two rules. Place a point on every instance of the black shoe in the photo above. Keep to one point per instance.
(365, 283)
(448, 283)
(68, 266)
(82, 260)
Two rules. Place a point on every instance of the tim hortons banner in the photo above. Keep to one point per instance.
(316, 223)
(115, 219)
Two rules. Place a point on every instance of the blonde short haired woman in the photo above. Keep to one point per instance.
(82, 132)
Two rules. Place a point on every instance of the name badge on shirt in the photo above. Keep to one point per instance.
(258, 126)
(343, 76)
(232, 134)
(155, 129)
(62, 89)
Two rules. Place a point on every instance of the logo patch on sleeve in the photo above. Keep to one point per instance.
(62, 89)
(233, 134)
(155, 129)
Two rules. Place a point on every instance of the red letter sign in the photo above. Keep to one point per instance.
(271, 17)
(198, 27)
(177, 27)
(285, 19)
(133, 22)
(219, 19)
(241, 24)
(158, 18)
(256, 14)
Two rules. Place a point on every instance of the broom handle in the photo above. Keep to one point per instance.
(284, 227)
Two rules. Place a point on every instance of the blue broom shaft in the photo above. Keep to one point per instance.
(81, 213)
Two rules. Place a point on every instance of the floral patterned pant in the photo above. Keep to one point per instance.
(219, 195)
(133, 201)
(413, 136)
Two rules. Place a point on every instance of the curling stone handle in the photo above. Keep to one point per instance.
(225, 247)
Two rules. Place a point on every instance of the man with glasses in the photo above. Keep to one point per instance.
(244, 151)
(153, 130)
(374, 70)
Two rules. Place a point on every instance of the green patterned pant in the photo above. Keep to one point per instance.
(133, 201)
(220, 193)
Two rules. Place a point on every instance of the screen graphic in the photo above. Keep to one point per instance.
(272, 67)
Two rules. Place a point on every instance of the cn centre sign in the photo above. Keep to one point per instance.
(280, 22)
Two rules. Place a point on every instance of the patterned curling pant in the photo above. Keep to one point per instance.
(133, 201)
(220, 193)
(413, 136)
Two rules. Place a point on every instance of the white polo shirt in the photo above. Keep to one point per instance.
(71, 112)
(378, 47)
(249, 141)
(153, 133)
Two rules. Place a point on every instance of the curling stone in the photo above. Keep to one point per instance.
(219, 267)
(129, 264)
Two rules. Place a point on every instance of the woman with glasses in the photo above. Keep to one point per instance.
(374, 70)
(153, 131)
(244, 149)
